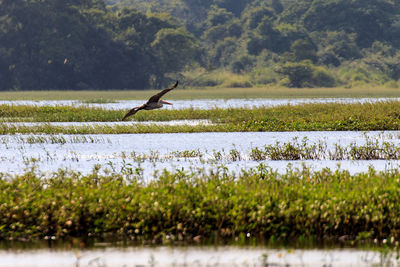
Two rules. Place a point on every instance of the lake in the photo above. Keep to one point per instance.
(164, 151)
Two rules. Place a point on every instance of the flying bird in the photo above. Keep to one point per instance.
(154, 102)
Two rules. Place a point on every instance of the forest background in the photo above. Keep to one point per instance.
(139, 44)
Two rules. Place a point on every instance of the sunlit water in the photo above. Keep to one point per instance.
(117, 152)
(195, 256)
(201, 103)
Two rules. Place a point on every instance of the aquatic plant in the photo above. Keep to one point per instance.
(187, 206)
(295, 150)
(307, 117)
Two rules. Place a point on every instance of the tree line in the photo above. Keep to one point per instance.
(82, 44)
(118, 44)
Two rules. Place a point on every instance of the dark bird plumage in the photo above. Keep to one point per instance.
(154, 102)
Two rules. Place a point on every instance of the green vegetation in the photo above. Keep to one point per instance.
(307, 117)
(303, 150)
(205, 93)
(81, 44)
(57, 113)
(184, 206)
(119, 44)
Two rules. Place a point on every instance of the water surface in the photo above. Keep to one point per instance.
(201, 103)
(160, 151)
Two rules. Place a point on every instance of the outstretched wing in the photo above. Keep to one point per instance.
(133, 111)
(157, 97)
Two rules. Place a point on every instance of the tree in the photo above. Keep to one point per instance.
(277, 6)
(79, 44)
(305, 74)
(216, 33)
(173, 50)
(54, 44)
(254, 16)
(234, 6)
(218, 16)
(222, 54)
(303, 49)
(369, 19)
(298, 73)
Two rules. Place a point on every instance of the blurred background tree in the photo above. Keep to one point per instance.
(118, 44)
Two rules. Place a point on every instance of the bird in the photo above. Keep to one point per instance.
(154, 102)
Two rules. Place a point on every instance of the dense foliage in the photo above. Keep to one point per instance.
(77, 44)
(185, 206)
(97, 44)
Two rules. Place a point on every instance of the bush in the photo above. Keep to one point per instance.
(237, 82)
(305, 74)
(322, 78)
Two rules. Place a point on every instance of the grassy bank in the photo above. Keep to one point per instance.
(184, 206)
(306, 117)
(204, 93)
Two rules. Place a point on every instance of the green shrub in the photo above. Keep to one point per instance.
(305, 74)
(322, 78)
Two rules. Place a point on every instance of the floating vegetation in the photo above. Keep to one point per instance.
(188, 154)
(185, 206)
(306, 117)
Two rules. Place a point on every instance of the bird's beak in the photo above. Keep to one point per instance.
(165, 102)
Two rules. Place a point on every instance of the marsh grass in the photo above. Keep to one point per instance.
(373, 149)
(117, 129)
(184, 206)
(383, 115)
(205, 93)
(56, 113)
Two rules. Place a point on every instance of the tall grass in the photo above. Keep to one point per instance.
(188, 206)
